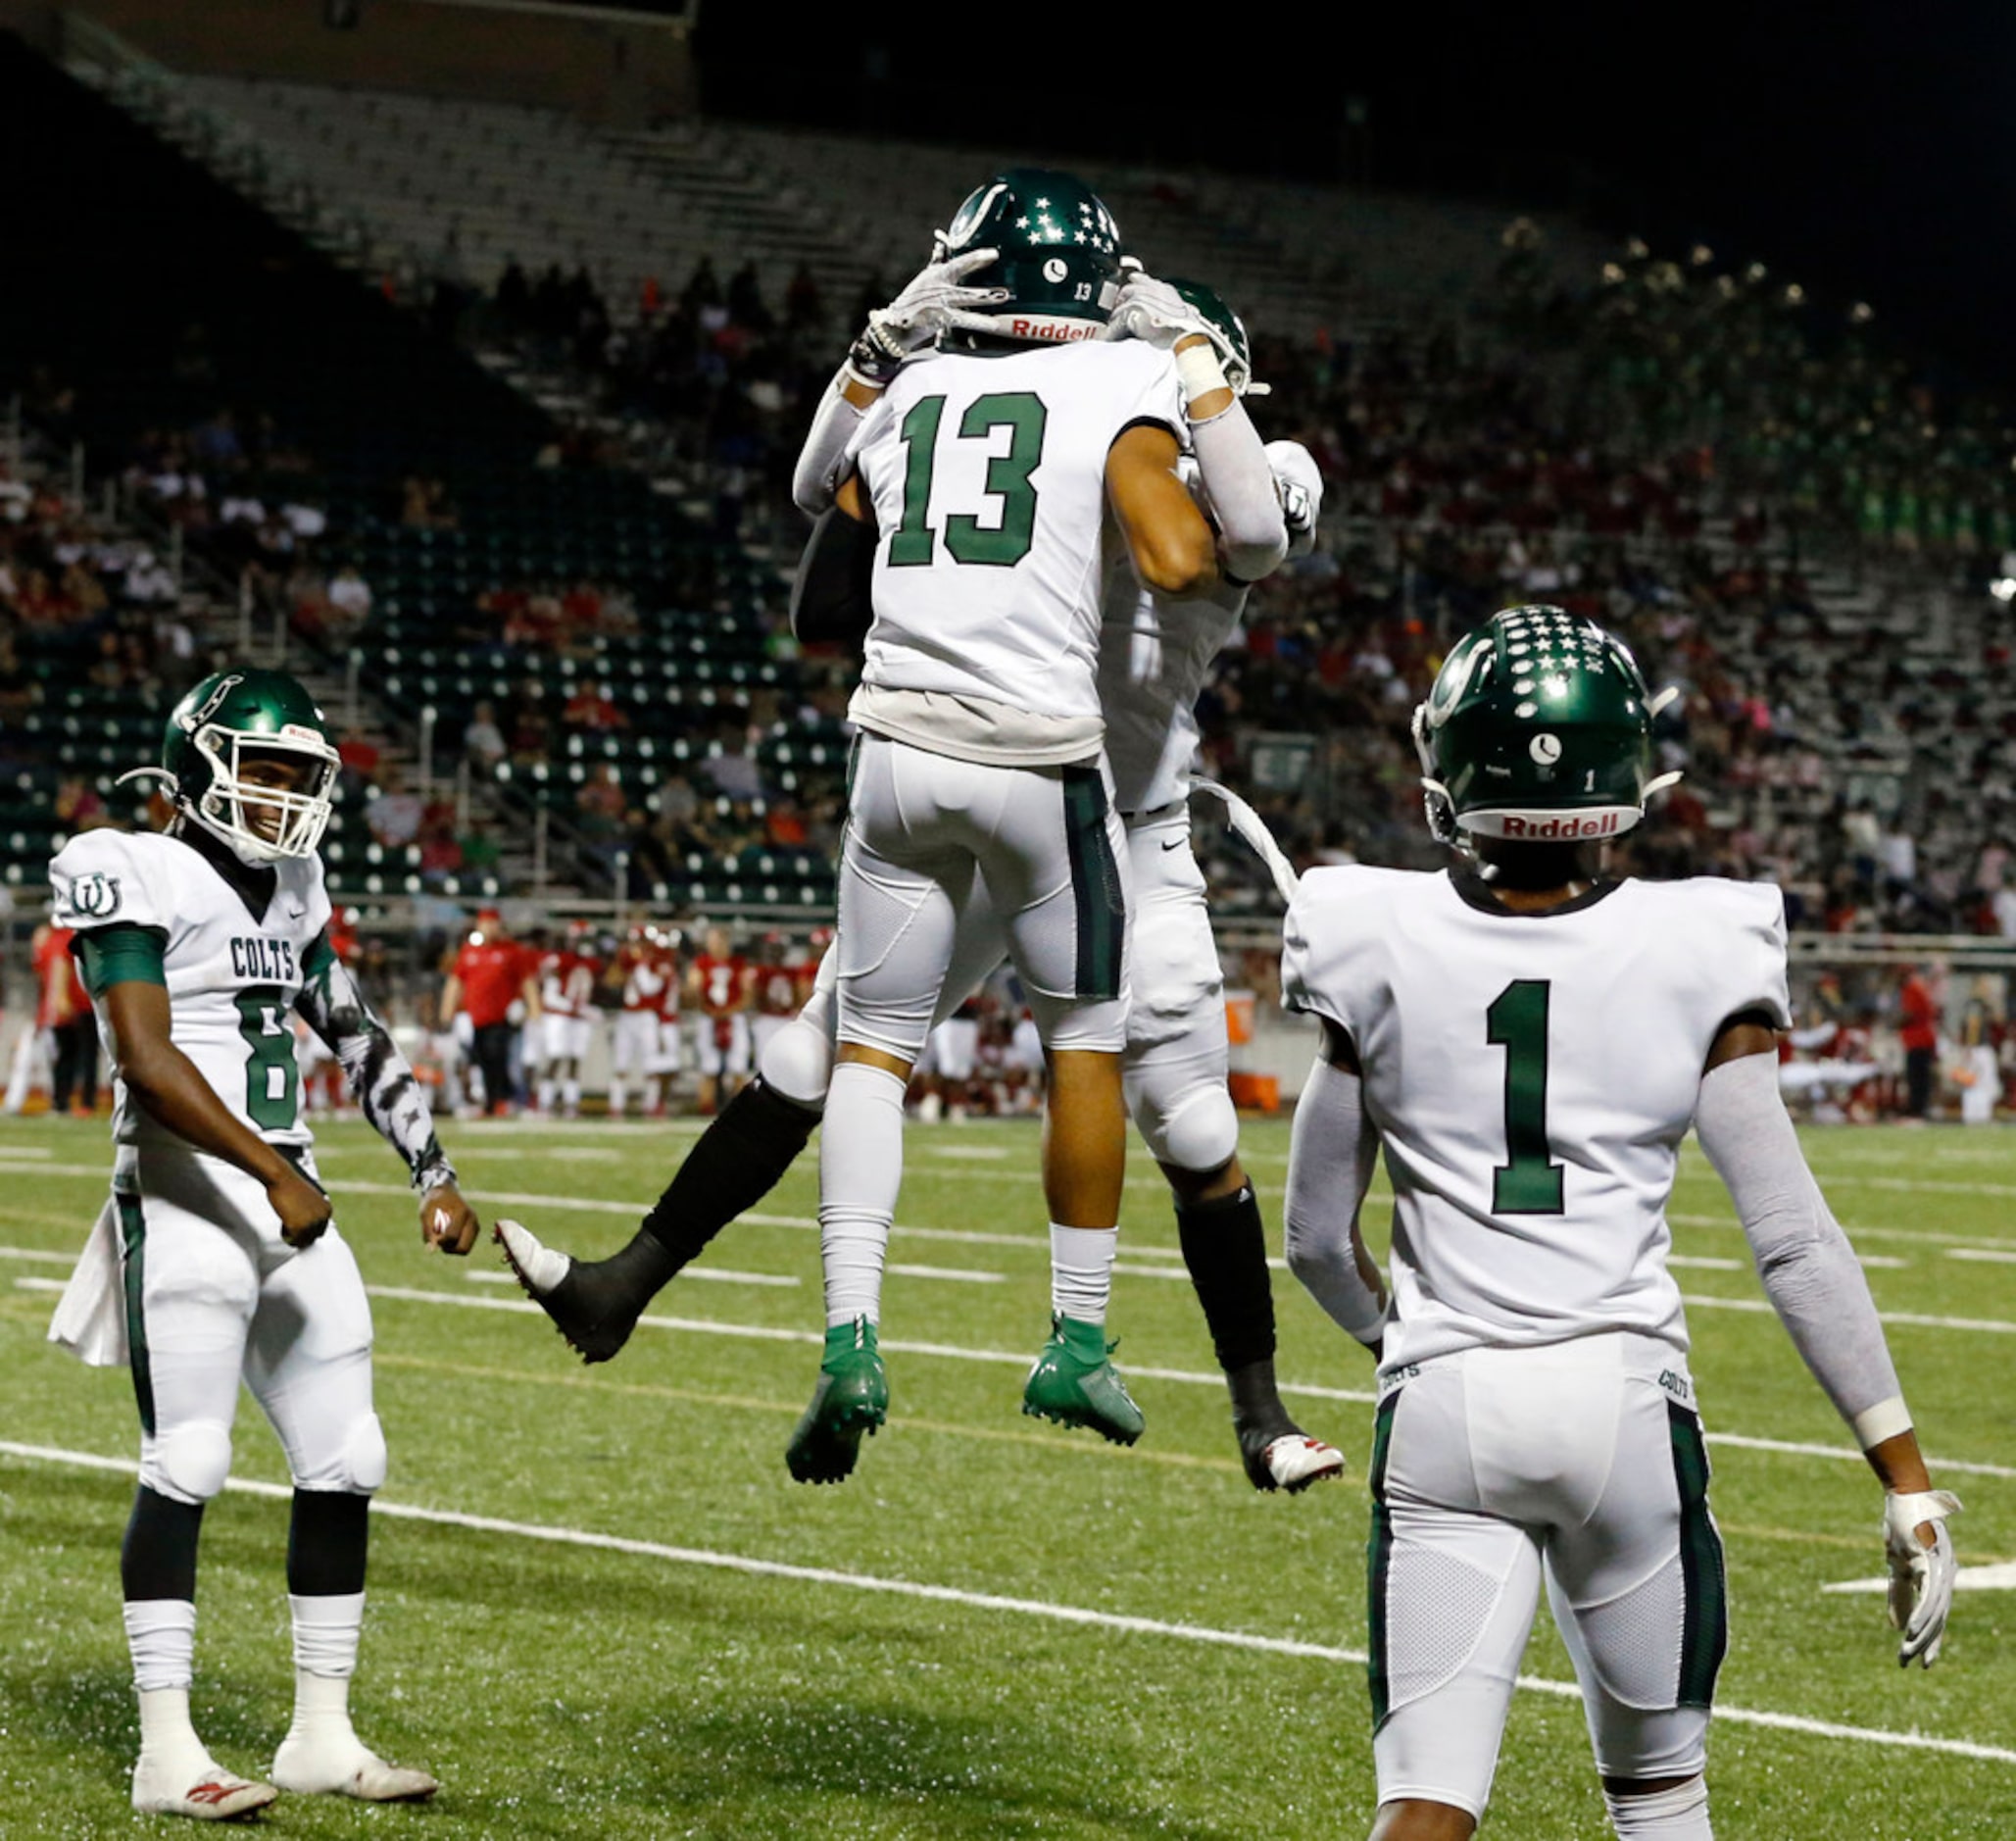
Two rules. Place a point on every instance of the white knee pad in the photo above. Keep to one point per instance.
(1195, 1128)
(364, 1459)
(798, 1060)
(1677, 1815)
(188, 1463)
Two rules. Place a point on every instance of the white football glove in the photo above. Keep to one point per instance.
(1299, 487)
(1921, 1577)
(1154, 312)
(931, 301)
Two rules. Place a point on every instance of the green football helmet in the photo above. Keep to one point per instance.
(1058, 256)
(1227, 332)
(1539, 728)
(230, 717)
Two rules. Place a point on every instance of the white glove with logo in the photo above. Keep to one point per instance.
(1299, 487)
(930, 301)
(1153, 311)
(1921, 1577)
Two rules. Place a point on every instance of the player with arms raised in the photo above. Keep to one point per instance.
(1530, 1040)
(216, 1259)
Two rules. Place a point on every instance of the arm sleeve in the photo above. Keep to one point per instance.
(1332, 1148)
(822, 460)
(381, 1077)
(1808, 1269)
(1238, 482)
(832, 600)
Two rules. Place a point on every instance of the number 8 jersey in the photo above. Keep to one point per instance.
(987, 476)
(1530, 1077)
(232, 975)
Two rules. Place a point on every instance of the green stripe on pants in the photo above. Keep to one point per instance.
(1704, 1618)
(1378, 1563)
(132, 1236)
(1094, 884)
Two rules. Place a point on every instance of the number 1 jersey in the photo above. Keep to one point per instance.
(987, 476)
(232, 976)
(1530, 1077)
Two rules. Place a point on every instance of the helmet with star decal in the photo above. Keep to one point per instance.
(1058, 254)
(1538, 729)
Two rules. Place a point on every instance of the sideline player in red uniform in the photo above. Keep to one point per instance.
(567, 1018)
(491, 973)
(723, 983)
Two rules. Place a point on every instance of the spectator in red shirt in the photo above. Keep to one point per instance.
(62, 1009)
(490, 975)
(1918, 1016)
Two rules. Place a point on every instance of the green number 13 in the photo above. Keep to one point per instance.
(1529, 1182)
(966, 539)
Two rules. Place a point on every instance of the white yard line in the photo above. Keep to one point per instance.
(1919, 1319)
(954, 1275)
(1037, 1607)
(1006, 1357)
(719, 1275)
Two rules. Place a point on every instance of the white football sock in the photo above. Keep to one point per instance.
(570, 1096)
(861, 1172)
(326, 1631)
(160, 1633)
(546, 1096)
(1081, 1271)
(1677, 1815)
(616, 1097)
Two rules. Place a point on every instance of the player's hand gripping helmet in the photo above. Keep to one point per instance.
(1539, 728)
(1217, 322)
(232, 717)
(1059, 257)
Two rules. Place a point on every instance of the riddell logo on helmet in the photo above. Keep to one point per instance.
(1058, 331)
(1567, 825)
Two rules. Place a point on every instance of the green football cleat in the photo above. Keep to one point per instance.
(1073, 1383)
(852, 1397)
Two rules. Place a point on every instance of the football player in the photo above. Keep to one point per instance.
(1154, 652)
(1530, 1040)
(216, 1259)
(645, 977)
(566, 1018)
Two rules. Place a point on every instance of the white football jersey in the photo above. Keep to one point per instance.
(1530, 1077)
(987, 476)
(1153, 653)
(232, 975)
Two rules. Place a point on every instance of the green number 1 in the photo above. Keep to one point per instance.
(1529, 1182)
(272, 1080)
(966, 539)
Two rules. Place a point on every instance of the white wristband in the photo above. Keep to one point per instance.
(1198, 371)
(1885, 1419)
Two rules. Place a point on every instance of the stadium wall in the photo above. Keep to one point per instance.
(615, 69)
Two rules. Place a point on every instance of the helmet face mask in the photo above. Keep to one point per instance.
(1058, 256)
(1538, 731)
(222, 743)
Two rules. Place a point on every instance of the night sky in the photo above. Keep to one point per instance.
(1866, 148)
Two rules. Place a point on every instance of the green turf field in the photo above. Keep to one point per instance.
(601, 1607)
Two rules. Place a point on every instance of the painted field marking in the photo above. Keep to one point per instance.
(1999, 1577)
(1187, 1377)
(717, 1274)
(1986, 1255)
(38, 1255)
(954, 1275)
(1044, 1610)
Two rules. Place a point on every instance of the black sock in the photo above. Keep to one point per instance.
(1225, 1247)
(158, 1558)
(740, 1157)
(326, 1543)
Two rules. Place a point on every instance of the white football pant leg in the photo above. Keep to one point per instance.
(309, 1366)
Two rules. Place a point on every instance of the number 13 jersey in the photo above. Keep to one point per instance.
(988, 475)
(232, 976)
(1530, 1077)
